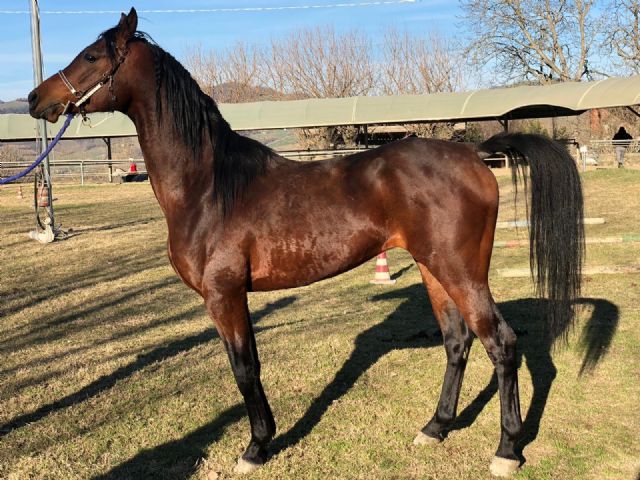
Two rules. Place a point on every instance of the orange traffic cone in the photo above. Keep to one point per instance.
(382, 276)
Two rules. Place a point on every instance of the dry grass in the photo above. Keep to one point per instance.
(110, 368)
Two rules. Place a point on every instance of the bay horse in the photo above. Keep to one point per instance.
(241, 219)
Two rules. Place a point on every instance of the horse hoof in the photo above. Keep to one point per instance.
(424, 439)
(245, 466)
(503, 467)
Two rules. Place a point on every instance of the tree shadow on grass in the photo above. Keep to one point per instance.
(402, 271)
(52, 327)
(176, 460)
(87, 276)
(113, 226)
(158, 354)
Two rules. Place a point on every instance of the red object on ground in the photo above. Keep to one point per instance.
(382, 276)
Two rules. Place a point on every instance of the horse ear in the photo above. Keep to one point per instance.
(132, 19)
(127, 27)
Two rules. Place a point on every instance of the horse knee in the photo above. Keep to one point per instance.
(506, 335)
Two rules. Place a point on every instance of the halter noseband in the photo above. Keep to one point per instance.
(83, 96)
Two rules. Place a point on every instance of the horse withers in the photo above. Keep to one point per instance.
(241, 218)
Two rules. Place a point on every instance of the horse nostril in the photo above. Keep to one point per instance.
(33, 96)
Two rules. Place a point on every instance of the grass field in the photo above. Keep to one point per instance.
(111, 369)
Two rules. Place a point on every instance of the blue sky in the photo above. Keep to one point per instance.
(65, 34)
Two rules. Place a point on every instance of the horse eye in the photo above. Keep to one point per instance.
(89, 58)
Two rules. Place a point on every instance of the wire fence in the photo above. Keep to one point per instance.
(602, 153)
(78, 171)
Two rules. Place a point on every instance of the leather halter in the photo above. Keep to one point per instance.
(83, 96)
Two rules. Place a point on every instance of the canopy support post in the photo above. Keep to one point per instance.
(37, 80)
(107, 141)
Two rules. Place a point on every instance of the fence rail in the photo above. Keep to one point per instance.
(78, 171)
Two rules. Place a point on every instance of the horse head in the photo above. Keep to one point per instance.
(90, 83)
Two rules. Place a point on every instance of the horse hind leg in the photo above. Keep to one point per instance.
(500, 345)
(499, 340)
(457, 339)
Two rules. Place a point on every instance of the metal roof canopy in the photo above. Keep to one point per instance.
(562, 99)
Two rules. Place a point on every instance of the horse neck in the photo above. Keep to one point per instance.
(181, 183)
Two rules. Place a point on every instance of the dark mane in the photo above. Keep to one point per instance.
(238, 160)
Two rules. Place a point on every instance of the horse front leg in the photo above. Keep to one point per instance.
(230, 313)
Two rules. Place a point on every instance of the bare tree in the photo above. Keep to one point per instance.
(319, 63)
(308, 63)
(539, 40)
(418, 65)
(8, 153)
(624, 35)
(231, 76)
(203, 67)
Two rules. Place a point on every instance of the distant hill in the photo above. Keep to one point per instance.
(16, 106)
(233, 92)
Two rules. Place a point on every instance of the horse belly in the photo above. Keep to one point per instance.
(297, 260)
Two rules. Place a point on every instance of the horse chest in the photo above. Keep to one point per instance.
(185, 267)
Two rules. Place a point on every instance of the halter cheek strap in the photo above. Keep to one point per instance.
(80, 95)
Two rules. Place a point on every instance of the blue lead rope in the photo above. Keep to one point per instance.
(41, 157)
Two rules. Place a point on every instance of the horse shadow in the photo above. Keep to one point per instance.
(535, 347)
(411, 325)
(178, 459)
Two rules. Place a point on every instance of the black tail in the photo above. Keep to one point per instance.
(556, 225)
